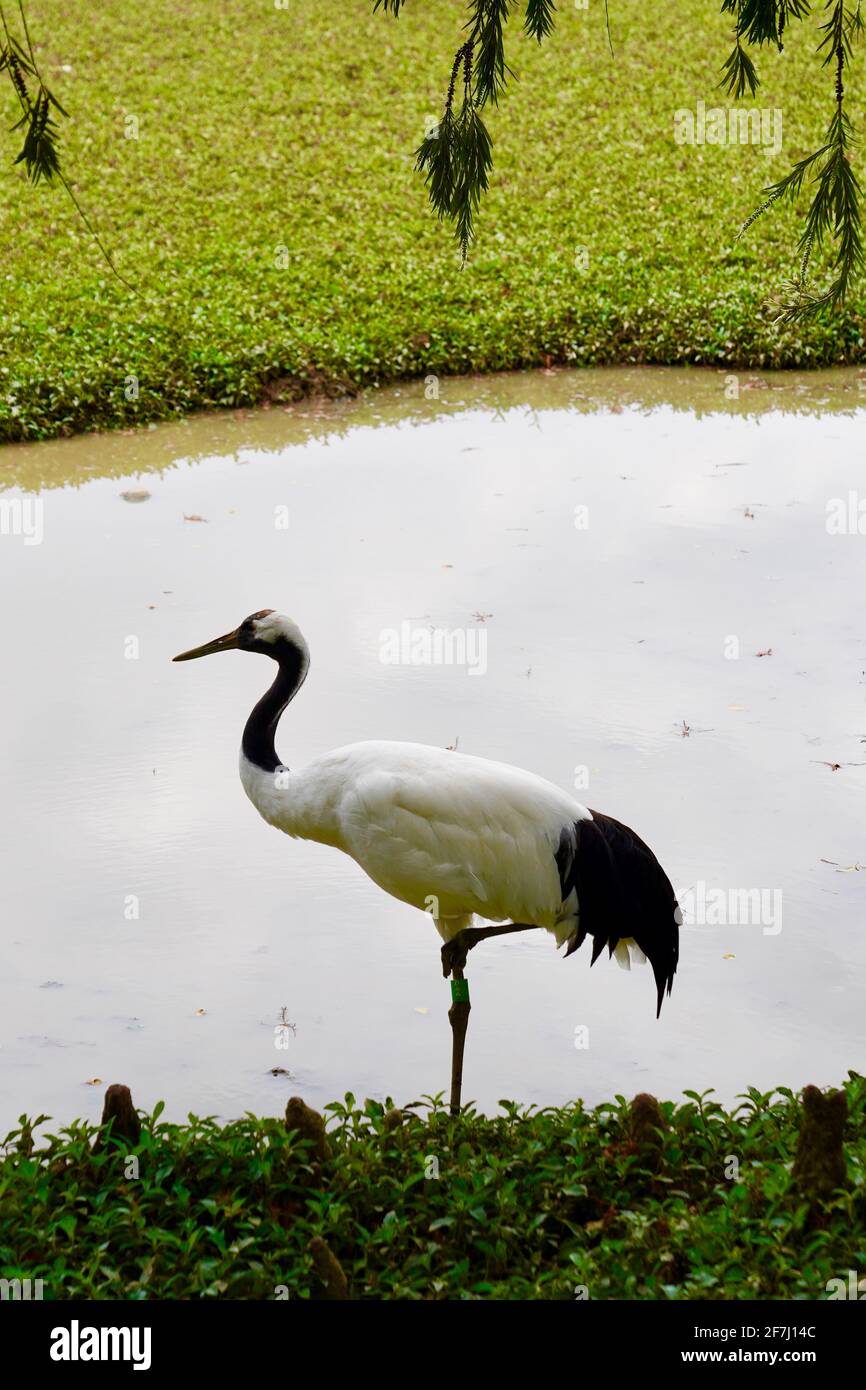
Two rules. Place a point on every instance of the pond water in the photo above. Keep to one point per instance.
(615, 548)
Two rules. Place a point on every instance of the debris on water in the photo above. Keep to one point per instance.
(94, 1081)
(52, 984)
(421, 1009)
(687, 729)
(194, 516)
(135, 494)
(284, 1021)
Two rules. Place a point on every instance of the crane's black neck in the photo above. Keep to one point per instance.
(261, 727)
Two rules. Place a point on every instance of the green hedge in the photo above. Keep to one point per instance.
(558, 1204)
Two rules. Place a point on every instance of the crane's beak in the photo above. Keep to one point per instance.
(228, 643)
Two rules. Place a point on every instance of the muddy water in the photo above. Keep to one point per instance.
(609, 551)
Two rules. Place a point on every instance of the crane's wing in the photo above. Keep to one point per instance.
(472, 835)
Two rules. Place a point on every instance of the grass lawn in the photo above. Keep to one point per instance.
(558, 1204)
(270, 216)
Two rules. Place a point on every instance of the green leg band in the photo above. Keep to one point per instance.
(460, 991)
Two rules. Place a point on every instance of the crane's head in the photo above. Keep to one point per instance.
(267, 632)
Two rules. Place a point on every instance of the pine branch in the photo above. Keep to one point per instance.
(607, 27)
(760, 22)
(739, 73)
(456, 157)
(40, 153)
(487, 20)
(834, 212)
(539, 20)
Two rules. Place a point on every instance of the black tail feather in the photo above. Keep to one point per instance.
(622, 891)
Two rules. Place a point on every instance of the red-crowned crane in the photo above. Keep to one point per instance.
(457, 836)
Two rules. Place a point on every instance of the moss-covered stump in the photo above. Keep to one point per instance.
(819, 1165)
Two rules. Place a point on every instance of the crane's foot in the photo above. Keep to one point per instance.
(455, 951)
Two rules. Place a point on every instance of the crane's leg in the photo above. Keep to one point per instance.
(455, 951)
(458, 1017)
(454, 954)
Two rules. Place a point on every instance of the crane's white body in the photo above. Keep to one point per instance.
(454, 835)
(457, 836)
